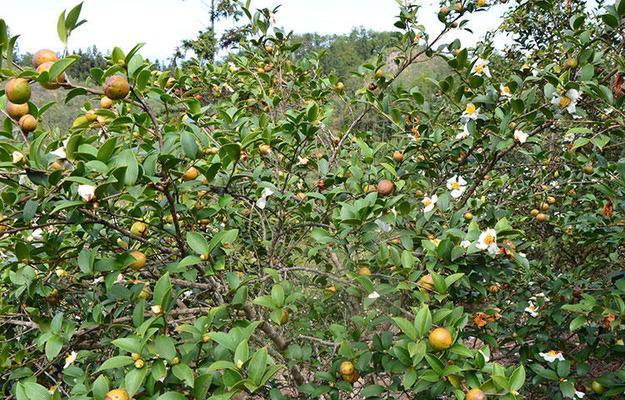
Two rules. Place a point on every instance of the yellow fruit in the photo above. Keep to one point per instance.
(440, 339)
(544, 206)
(551, 200)
(350, 378)
(534, 212)
(379, 73)
(206, 338)
(139, 363)
(50, 84)
(139, 228)
(385, 187)
(340, 86)
(105, 102)
(347, 368)
(481, 3)
(190, 174)
(264, 150)
(145, 293)
(426, 282)
(28, 123)
(588, 169)
(475, 394)
(597, 387)
(17, 90)
(570, 63)
(364, 271)
(139, 262)
(468, 216)
(16, 111)
(117, 394)
(175, 361)
(541, 217)
(135, 356)
(91, 116)
(398, 156)
(116, 87)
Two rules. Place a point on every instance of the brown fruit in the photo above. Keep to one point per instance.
(17, 90)
(544, 206)
(398, 156)
(588, 169)
(105, 102)
(28, 123)
(284, 318)
(372, 86)
(16, 111)
(50, 84)
(426, 282)
(117, 394)
(440, 339)
(190, 174)
(385, 187)
(139, 262)
(347, 368)
(44, 56)
(116, 87)
(475, 394)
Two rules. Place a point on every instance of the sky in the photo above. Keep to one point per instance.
(163, 24)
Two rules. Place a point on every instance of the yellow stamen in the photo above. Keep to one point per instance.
(564, 101)
(470, 109)
(455, 185)
(489, 239)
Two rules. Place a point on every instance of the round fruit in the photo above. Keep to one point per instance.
(190, 174)
(347, 368)
(534, 212)
(264, 149)
(364, 271)
(91, 116)
(117, 394)
(544, 206)
(440, 339)
(426, 282)
(597, 387)
(116, 87)
(588, 169)
(139, 262)
(17, 90)
(139, 363)
(139, 228)
(551, 200)
(135, 356)
(385, 187)
(398, 156)
(50, 84)
(468, 216)
(340, 86)
(16, 111)
(571, 63)
(28, 123)
(541, 217)
(351, 378)
(43, 56)
(105, 102)
(475, 394)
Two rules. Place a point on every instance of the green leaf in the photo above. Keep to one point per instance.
(277, 295)
(184, 373)
(162, 290)
(257, 366)
(189, 145)
(577, 323)
(60, 66)
(407, 327)
(100, 387)
(423, 320)
(60, 28)
(134, 379)
(54, 344)
(165, 347)
(517, 379)
(198, 243)
(115, 362)
(131, 345)
(35, 391)
(171, 396)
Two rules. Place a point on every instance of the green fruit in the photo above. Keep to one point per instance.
(597, 387)
(17, 90)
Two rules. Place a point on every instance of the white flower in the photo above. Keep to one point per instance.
(17, 157)
(457, 185)
(481, 68)
(488, 241)
(87, 192)
(69, 360)
(302, 160)
(531, 309)
(520, 136)
(464, 134)
(262, 201)
(471, 112)
(429, 203)
(552, 355)
(384, 227)
(579, 395)
(52, 389)
(60, 153)
(568, 101)
(120, 279)
(97, 280)
(37, 234)
(504, 91)
(373, 295)
(465, 244)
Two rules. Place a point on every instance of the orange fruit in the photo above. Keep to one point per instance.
(17, 90)
(44, 56)
(347, 368)
(398, 156)
(190, 174)
(105, 102)
(440, 339)
(50, 84)
(139, 262)
(426, 282)
(385, 187)
(475, 394)
(16, 111)
(117, 394)
(28, 123)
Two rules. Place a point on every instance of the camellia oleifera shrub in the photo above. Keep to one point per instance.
(220, 232)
